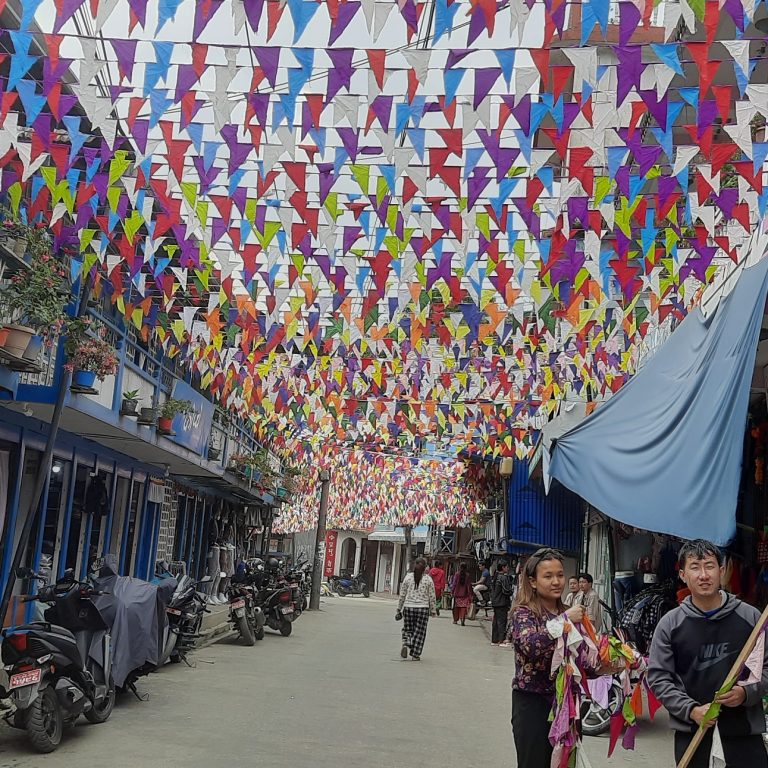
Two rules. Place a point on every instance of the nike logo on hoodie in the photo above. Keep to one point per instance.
(710, 655)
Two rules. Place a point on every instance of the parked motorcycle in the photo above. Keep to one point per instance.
(275, 596)
(185, 617)
(350, 585)
(60, 668)
(135, 612)
(300, 577)
(245, 615)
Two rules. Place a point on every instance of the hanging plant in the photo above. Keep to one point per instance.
(87, 353)
(32, 302)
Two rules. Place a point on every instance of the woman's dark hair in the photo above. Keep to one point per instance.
(463, 574)
(419, 566)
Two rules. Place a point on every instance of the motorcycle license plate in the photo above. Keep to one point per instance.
(286, 611)
(238, 604)
(21, 679)
(173, 611)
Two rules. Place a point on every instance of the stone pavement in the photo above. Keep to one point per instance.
(333, 695)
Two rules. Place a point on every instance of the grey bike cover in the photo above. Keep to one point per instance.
(135, 612)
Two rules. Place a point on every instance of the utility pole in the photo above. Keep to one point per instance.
(409, 554)
(317, 566)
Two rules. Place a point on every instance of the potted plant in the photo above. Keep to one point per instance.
(32, 304)
(169, 409)
(129, 406)
(237, 462)
(88, 357)
(214, 451)
(147, 416)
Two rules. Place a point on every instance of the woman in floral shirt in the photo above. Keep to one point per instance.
(538, 601)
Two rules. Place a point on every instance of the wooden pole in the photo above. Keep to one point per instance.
(733, 675)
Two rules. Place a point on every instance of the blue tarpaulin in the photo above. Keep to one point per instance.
(665, 453)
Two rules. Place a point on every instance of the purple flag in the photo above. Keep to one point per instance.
(66, 11)
(629, 70)
(485, 79)
(202, 18)
(347, 12)
(340, 75)
(269, 61)
(125, 50)
(629, 18)
(253, 12)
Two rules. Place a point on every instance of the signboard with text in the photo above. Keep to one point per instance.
(331, 537)
(193, 429)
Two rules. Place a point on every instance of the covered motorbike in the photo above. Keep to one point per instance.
(135, 612)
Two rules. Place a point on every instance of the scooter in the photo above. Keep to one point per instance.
(350, 585)
(276, 601)
(59, 668)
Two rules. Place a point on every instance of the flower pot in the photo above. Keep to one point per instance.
(34, 348)
(20, 247)
(213, 453)
(164, 424)
(18, 339)
(84, 379)
(129, 407)
(147, 416)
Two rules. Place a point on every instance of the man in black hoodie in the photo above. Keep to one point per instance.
(693, 649)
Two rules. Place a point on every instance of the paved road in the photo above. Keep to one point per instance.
(334, 695)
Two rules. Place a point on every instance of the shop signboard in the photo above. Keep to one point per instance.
(193, 429)
(331, 538)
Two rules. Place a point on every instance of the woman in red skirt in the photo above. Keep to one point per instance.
(461, 591)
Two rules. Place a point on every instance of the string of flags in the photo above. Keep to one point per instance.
(381, 222)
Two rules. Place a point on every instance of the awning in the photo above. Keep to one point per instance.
(570, 415)
(665, 452)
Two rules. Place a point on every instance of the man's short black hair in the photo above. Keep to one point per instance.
(698, 549)
(503, 563)
(587, 578)
(438, 562)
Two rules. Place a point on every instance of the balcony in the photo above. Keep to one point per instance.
(198, 446)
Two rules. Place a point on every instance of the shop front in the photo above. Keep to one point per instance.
(95, 502)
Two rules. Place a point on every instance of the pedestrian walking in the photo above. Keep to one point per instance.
(461, 589)
(438, 577)
(693, 649)
(573, 591)
(417, 604)
(502, 590)
(538, 601)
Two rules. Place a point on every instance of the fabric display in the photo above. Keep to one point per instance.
(641, 614)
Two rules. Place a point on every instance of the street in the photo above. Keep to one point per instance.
(335, 694)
